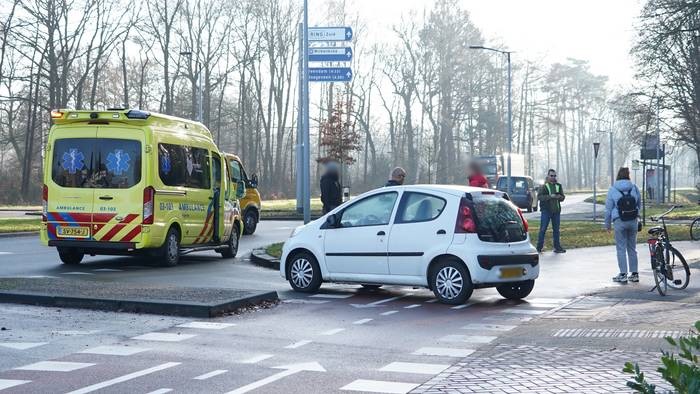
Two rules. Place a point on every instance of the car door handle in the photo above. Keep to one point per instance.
(441, 232)
(106, 197)
(381, 233)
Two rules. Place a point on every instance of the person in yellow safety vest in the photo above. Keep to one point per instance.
(550, 196)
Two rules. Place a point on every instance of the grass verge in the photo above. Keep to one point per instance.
(275, 250)
(17, 225)
(688, 198)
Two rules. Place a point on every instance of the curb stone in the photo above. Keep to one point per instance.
(259, 257)
(19, 234)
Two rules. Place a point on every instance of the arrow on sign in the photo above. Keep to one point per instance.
(288, 370)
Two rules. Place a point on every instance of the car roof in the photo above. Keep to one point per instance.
(457, 190)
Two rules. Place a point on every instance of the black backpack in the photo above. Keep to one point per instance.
(627, 206)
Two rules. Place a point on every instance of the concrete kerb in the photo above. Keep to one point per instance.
(261, 258)
(19, 234)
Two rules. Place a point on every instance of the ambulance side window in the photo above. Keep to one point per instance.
(198, 176)
(216, 171)
(172, 164)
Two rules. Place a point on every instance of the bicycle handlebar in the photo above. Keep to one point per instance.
(657, 218)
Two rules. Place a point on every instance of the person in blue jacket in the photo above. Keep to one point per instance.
(622, 213)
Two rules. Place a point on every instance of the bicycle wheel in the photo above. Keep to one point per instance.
(695, 230)
(659, 271)
(678, 271)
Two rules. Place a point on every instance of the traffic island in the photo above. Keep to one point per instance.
(121, 297)
(262, 258)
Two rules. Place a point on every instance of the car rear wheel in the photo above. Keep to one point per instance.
(516, 290)
(70, 256)
(170, 251)
(250, 221)
(451, 282)
(231, 249)
(304, 273)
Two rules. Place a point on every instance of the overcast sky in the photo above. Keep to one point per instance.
(601, 31)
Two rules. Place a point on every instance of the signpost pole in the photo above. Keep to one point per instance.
(300, 127)
(306, 154)
(510, 125)
(596, 146)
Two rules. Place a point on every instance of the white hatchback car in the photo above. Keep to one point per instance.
(450, 239)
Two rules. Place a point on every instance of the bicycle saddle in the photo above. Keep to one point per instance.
(656, 230)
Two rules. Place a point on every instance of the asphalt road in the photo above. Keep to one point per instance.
(343, 339)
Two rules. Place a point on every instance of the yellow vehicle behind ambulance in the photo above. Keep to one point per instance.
(132, 182)
(247, 190)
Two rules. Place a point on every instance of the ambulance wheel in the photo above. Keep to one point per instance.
(231, 249)
(170, 251)
(250, 221)
(70, 256)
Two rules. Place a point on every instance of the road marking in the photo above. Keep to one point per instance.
(362, 321)
(524, 311)
(206, 325)
(379, 386)
(334, 296)
(124, 378)
(211, 374)
(54, 366)
(257, 359)
(488, 327)
(419, 368)
(115, 350)
(108, 270)
(21, 345)
(461, 306)
(301, 301)
(76, 332)
(299, 344)
(288, 371)
(432, 301)
(7, 383)
(161, 391)
(164, 337)
(443, 351)
(387, 313)
(333, 331)
(468, 338)
(378, 303)
(411, 306)
(5, 253)
(77, 273)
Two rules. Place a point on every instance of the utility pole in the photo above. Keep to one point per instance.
(300, 126)
(306, 151)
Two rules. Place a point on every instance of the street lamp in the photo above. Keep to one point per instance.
(510, 107)
(198, 71)
(612, 168)
(596, 146)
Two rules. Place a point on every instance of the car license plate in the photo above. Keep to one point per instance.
(73, 232)
(507, 273)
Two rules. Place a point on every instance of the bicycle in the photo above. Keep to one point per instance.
(667, 263)
(695, 229)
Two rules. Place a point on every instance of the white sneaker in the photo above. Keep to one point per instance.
(620, 278)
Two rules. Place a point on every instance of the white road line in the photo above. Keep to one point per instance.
(115, 350)
(333, 296)
(21, 345)
(418, 368)
(411, 306)
(362, 321)
(54, 366)
(387, 313)
(468, 338)
(2, 253)
(7, 383)
(107, 270)
(301, 301)
(211, 374)
(379, 386)
(488, 327)
(160, 391)
(299, 344)
(443, 351)
(524, 311)
(461, 306)
(333, 331)
(164, 337)
(206, 325)
(432, 301)
(77, 273)
(257, 359)
(388, 300)
(124, 378)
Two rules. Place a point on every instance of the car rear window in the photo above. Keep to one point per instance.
(96, 163)
(498, 220)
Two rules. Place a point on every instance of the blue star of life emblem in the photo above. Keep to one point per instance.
(118, 162)
(73, 160)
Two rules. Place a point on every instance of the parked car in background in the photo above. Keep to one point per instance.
(450, 239)
(523, 191)
(247, 193)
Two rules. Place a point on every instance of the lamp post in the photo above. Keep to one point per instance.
(510, 108)
(198, 71)
(596, 146)
(612, 165)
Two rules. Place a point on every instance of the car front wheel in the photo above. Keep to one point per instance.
(451, 282)
(304, 273)
(516, 290)
(250, 221)
(231, 249)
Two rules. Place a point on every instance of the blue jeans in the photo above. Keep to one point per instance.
(626, 245)
(544, 223)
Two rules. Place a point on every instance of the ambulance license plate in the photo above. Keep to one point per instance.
(73, 232)
(507, 273)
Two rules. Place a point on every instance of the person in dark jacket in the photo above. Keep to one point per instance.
(550, 196)
(331, 194)
(398, 175)
(625, 226)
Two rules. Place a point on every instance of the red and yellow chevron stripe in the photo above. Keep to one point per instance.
(108, 229)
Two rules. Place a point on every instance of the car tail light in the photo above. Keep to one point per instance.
(148, 204)
(465, 219)
(44, 203)
(525, 224)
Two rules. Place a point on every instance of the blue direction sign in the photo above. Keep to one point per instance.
(328, 74)
(330, 54)
(330, 33)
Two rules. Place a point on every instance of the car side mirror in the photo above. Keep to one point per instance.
(332, 221)
(254, 180)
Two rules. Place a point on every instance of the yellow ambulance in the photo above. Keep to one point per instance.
(132, 182)
(247, 190)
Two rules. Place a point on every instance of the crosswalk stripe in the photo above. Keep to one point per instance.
(211, 374)
(362, 321)
(418, 368)
(299, 344)
(124, 378)
(257, 359)
(8, 383)
(443, 351)
(379, 386)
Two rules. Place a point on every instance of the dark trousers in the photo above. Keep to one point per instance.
(544, 223)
